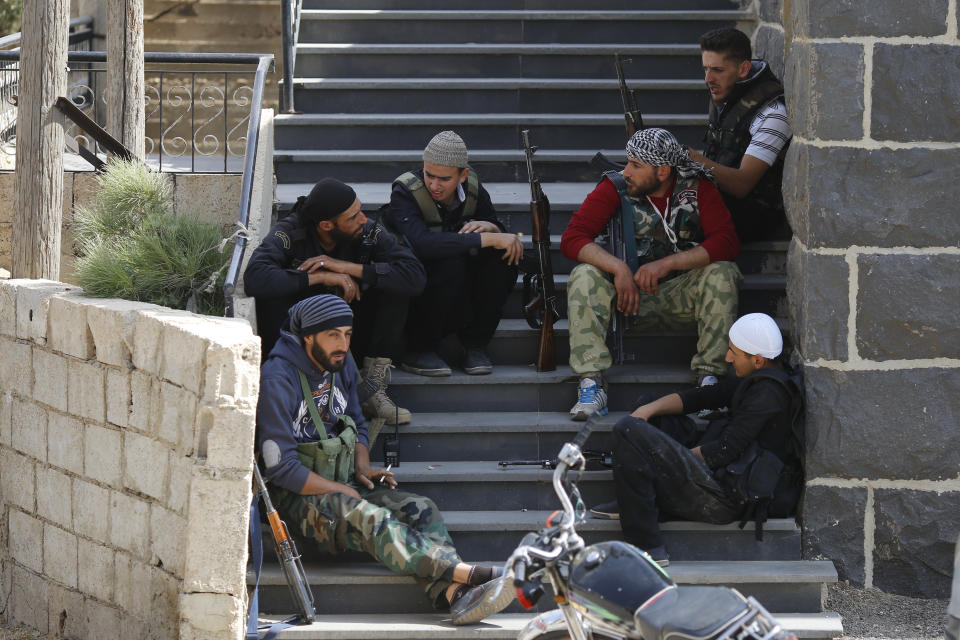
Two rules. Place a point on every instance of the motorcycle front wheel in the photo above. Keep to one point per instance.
(564, 635)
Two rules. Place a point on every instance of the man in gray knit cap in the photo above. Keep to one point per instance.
(313, 441)
(447, 218)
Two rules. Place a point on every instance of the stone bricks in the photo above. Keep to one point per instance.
(68, 330)
(16, 374)
(914, 95)
(768, 44)
(86, 393)
(183, 353)
(6, 418)
(817, 290)
(824, 103)
(17, 480)
(91, 510)
(28, 590)
(883, 18)
(33, 300)
(111, 325)
(217, 563)
(143, 403)
(50, 378)
(850, 204)
(65, 442)
(907, 306)
(210, 616)
(66, 618)
(96, 573)
(101, 454)
(170, 531)
(133, 585)
(176, 414)
(771, 11)
(60, 555)
(130, 524)
(181, 475)
(29, 433)
(145, 338)
(26, 540)
(164, 619)
(914, 541)
(857, 419)
(8, 309)
(54, 496)
(218, 194)
(233, 370)
(833, 528)
(145, 465)
(102, 621)
(229, 436)
(118, 397)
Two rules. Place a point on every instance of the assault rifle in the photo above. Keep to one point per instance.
(602, 459)
(289, 558)
(631, 113)
(541, 311)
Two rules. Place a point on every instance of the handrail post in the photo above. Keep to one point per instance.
(286, 96)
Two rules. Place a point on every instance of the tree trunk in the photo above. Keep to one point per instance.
(38, 211)
(125, 112)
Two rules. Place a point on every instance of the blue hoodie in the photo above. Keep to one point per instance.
(283, 420)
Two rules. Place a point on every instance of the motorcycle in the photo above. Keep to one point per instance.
(613, 590)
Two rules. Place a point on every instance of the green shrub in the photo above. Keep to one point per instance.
(10, 11)
(132, 246)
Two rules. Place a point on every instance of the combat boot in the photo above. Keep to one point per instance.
(376, 373)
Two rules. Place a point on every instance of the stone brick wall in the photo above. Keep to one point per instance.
(216, 197)
(126, 440)
(874, 279)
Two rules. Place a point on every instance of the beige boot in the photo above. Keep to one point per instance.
(379, 405)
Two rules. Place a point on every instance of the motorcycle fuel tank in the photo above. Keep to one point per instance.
(612, 579)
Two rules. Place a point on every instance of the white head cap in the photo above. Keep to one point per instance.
(758, 335)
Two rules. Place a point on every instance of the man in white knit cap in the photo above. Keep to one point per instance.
(665, 465)
(447, 218)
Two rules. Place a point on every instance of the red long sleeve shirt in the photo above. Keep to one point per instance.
(589, 221)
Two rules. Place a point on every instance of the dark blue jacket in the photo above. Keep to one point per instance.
(283, 419)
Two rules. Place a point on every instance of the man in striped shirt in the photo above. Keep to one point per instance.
(747, 135)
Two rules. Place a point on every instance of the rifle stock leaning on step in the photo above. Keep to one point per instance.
(541, 312)
(289, 558)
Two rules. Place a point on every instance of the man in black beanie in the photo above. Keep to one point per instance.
(327, 245)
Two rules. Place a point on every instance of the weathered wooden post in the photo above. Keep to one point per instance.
(125, 97)
(39, 183)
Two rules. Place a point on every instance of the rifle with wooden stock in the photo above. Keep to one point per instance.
(541, 312)
(289, 557)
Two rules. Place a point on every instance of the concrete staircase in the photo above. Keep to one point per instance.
(375, 80)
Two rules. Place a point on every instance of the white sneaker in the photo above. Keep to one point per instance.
(591, 399)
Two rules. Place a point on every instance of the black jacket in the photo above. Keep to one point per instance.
(404, 218)
(760, 409)
(273, 279)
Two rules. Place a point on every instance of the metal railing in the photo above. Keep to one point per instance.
(195, 119)
(290, 15)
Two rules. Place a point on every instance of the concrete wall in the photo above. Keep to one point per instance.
(126, 440)
(874, 279)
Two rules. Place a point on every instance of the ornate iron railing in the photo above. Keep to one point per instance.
(291, 32)
(196, 119)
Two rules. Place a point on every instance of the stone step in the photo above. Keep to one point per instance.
(487, 131)
(521, 388)
(493, 165)
(504, 626)
(507, 95)
(550, 5)
(351, 587)
(510, 26)
(512, 60)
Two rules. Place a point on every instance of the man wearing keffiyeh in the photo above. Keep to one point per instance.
(682, 274)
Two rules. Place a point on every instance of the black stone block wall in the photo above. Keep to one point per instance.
(873, 198)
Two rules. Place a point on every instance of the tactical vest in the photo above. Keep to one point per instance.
(428, 206)
(728, 136)
(648, 232)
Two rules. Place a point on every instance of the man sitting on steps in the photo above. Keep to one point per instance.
(663, 465)
(446, 216)
(680, 274)
(327, 245)
(313, 440)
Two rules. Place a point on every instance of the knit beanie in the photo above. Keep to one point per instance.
(446, 149)
(319, 313)
(758, 335)
(328, 199)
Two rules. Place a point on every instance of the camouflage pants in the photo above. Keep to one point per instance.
(401, 530)
(705, 298)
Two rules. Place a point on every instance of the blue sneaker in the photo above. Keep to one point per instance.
(591, 399)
